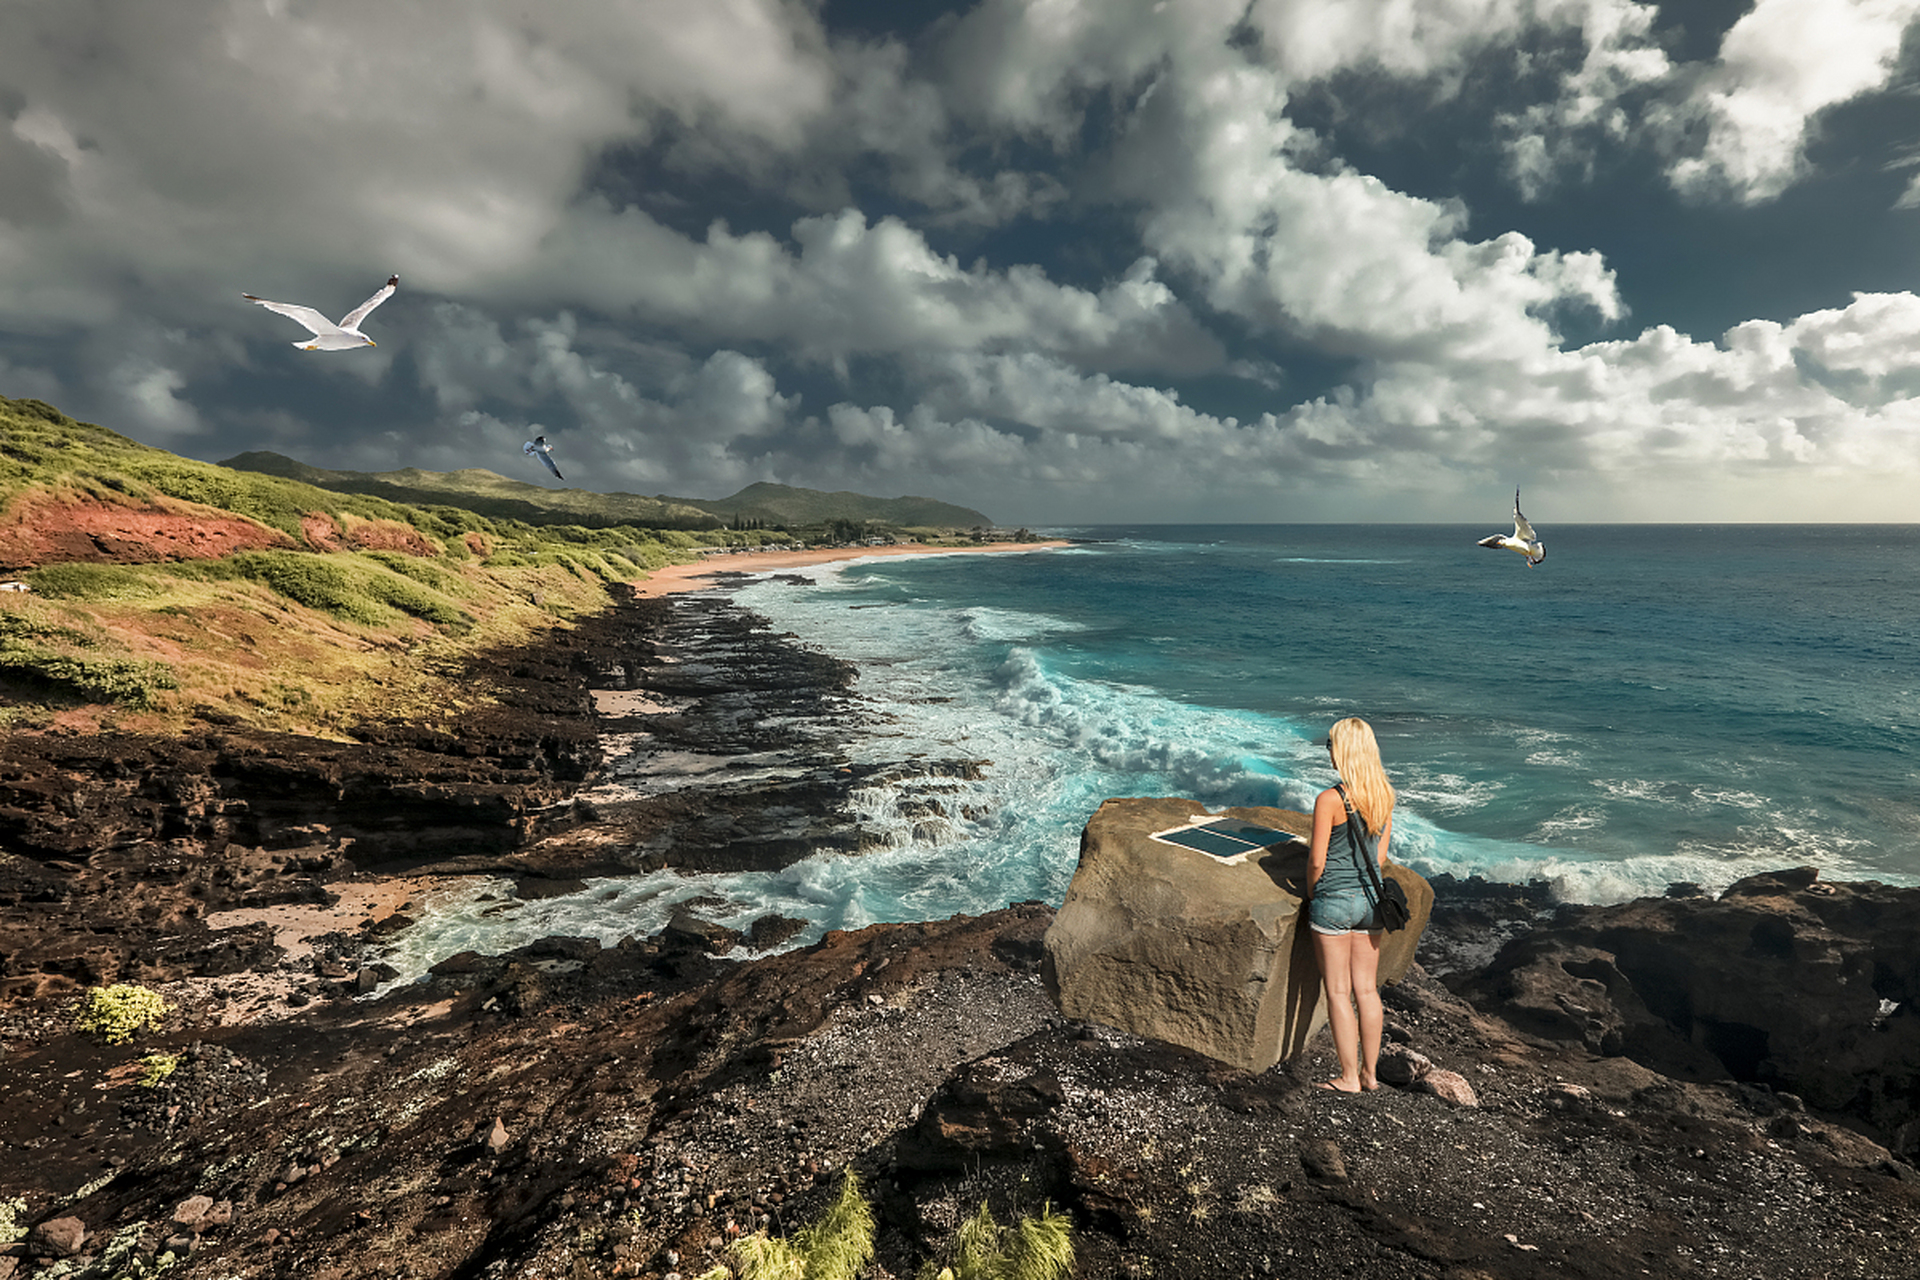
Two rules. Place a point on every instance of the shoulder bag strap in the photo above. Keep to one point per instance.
(1368, 859)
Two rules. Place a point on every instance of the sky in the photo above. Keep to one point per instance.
(1062, 262)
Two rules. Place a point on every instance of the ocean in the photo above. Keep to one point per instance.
(1653, 704)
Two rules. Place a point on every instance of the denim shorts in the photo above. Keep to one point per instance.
(1342, 911)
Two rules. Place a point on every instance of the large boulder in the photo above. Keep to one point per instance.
(1212, 953)
(1783, 980)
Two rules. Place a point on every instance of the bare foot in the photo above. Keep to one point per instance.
(1368, 1086)
(1338, 1086)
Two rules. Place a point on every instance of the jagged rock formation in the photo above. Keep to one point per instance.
(1213, 954)
(1783, 980)
(571, 1109)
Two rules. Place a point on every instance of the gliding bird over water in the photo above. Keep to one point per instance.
(539, 448)
(328, 336)
(1522, 538)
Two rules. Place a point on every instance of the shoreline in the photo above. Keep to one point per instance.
(675, 578)
(368, 895)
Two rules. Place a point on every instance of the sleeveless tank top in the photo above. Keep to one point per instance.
(1343, 871)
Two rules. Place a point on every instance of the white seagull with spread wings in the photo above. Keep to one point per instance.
(328, 336)
(1522, 539)
(539, 448)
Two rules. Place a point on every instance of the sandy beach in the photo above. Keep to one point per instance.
(699, 575)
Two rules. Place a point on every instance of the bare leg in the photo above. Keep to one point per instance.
(1364, 967)
(1336, 971)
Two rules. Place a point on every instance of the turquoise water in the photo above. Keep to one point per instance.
(1653, 704)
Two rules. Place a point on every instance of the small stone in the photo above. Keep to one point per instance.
(189, 1212)
(57, 1237)
(1401, 1066)
(1561, 1094)
(497, 1140)
(1449, 1086)
(1322, 1158)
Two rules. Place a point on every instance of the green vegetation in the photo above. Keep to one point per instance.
(101, 583)
(127, 681)
(768, 507)
(11, 1211)
(38, 651)
(834, 1248)
(840, 1245)
(324, 599)
(118, 1012)
(156, 1067)
(1037, 1248)
(355, 587)
(303, 636)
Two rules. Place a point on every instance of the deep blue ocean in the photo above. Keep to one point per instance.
(1652, 704)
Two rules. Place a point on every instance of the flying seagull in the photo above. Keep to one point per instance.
(328, 336)
(539, 448)
(1522, 538)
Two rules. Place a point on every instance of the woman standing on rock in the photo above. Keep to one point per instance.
(1340, 907)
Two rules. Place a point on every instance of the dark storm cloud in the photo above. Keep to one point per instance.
(1060, 261)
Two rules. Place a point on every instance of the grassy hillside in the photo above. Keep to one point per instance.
(798, 507)
(487, 494)
(492, 495)
(165, 591)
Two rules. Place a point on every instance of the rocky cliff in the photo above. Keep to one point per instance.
(1639, 1088)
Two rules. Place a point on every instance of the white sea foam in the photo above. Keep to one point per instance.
(1445, 792)
(990, 683)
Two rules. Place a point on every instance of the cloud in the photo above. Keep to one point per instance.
(630, 414)
(1736, 128)
(848, 288)
(1621, 64)
(288, 144)
(1782, 64)
(1331, 254)
(1834, 396)
(1077, 258)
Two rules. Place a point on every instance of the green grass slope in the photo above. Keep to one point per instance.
(489, 494)
(485, 493)
(788, 505)
(332, 606)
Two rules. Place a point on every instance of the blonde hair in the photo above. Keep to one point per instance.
(1356, 756)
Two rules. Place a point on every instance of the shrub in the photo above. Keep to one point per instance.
(410, 597)
(157, 1067)
(318, 582)
(1037, 1248)
(118, 1012)
(423, 571)
(128, 681)
(93, 582)
(834, 1248)
(345, 586)
(17, 629)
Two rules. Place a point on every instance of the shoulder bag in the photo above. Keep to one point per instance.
(1389, 899)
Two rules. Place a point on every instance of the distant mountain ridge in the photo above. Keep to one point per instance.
(494, 495)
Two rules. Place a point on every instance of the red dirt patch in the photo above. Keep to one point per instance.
(477, 543)
(321, 533)
(44, 530)
(388, 535)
